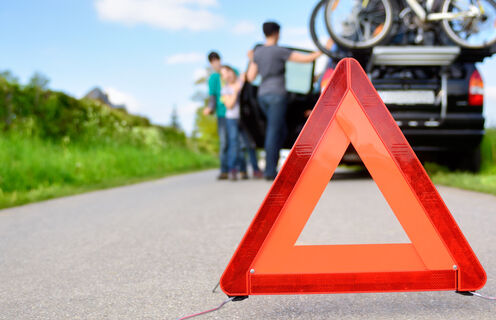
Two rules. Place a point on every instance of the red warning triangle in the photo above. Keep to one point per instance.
(267, 261)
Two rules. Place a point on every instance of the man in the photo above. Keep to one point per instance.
(215, 105)
(269, 61)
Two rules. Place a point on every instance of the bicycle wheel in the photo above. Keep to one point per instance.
(359, 24)
(313, 30)
(476, 31)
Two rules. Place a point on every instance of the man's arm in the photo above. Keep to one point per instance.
(304, 58)
(307, 58)
(213, 91)
(252, 72)
(212, 102)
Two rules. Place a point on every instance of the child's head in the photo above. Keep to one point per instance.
(271, 29)
(214, 59)
(228, 74)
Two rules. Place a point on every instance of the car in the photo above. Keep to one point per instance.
(435, 94)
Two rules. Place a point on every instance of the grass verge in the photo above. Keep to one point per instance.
(484, 181)
(34, 169)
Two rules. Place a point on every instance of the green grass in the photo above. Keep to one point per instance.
(484, 181)
(33, 169)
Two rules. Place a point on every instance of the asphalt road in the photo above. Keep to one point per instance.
(155, 250)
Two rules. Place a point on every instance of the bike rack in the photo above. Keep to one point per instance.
(414, 55)
(419, 56)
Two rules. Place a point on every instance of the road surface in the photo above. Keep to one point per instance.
(155, 250)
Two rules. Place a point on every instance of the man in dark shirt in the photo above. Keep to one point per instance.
(269, 61)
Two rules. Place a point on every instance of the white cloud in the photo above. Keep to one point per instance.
(199, 74)
(193, 15)
(244, 28)
(189, 109)
(118, 97)
(187, 114)
(490, 92)
(189, 57)
(490, 105)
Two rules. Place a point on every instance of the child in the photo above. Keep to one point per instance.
(230, 92)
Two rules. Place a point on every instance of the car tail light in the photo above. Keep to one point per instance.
(476, 90)
(325, 79)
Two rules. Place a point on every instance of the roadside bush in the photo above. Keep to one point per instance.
(205, 135)
(52, 144)
(488, 151)
(35, 111)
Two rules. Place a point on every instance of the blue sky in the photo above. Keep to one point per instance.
(147, 53)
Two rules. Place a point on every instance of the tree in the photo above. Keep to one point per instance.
(9, 77)
(8, 85)
(38, 80)
(38, 84)
(205, 131)
(205, 128)
(175, 119)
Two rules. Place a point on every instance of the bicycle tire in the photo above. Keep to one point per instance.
(458, 40)
(313, 32)
(382, 37)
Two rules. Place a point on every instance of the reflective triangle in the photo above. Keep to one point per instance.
(267, 261)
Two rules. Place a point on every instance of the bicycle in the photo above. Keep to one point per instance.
(361, 24)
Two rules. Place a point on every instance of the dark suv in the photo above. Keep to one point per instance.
(435, 95)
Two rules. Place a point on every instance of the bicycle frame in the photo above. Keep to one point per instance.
(428, 16)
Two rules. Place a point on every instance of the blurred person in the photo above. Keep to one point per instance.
(248, 146)
(230, 91)
(215, 105)
(325, 77)
(230, 97)
(269, 61)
